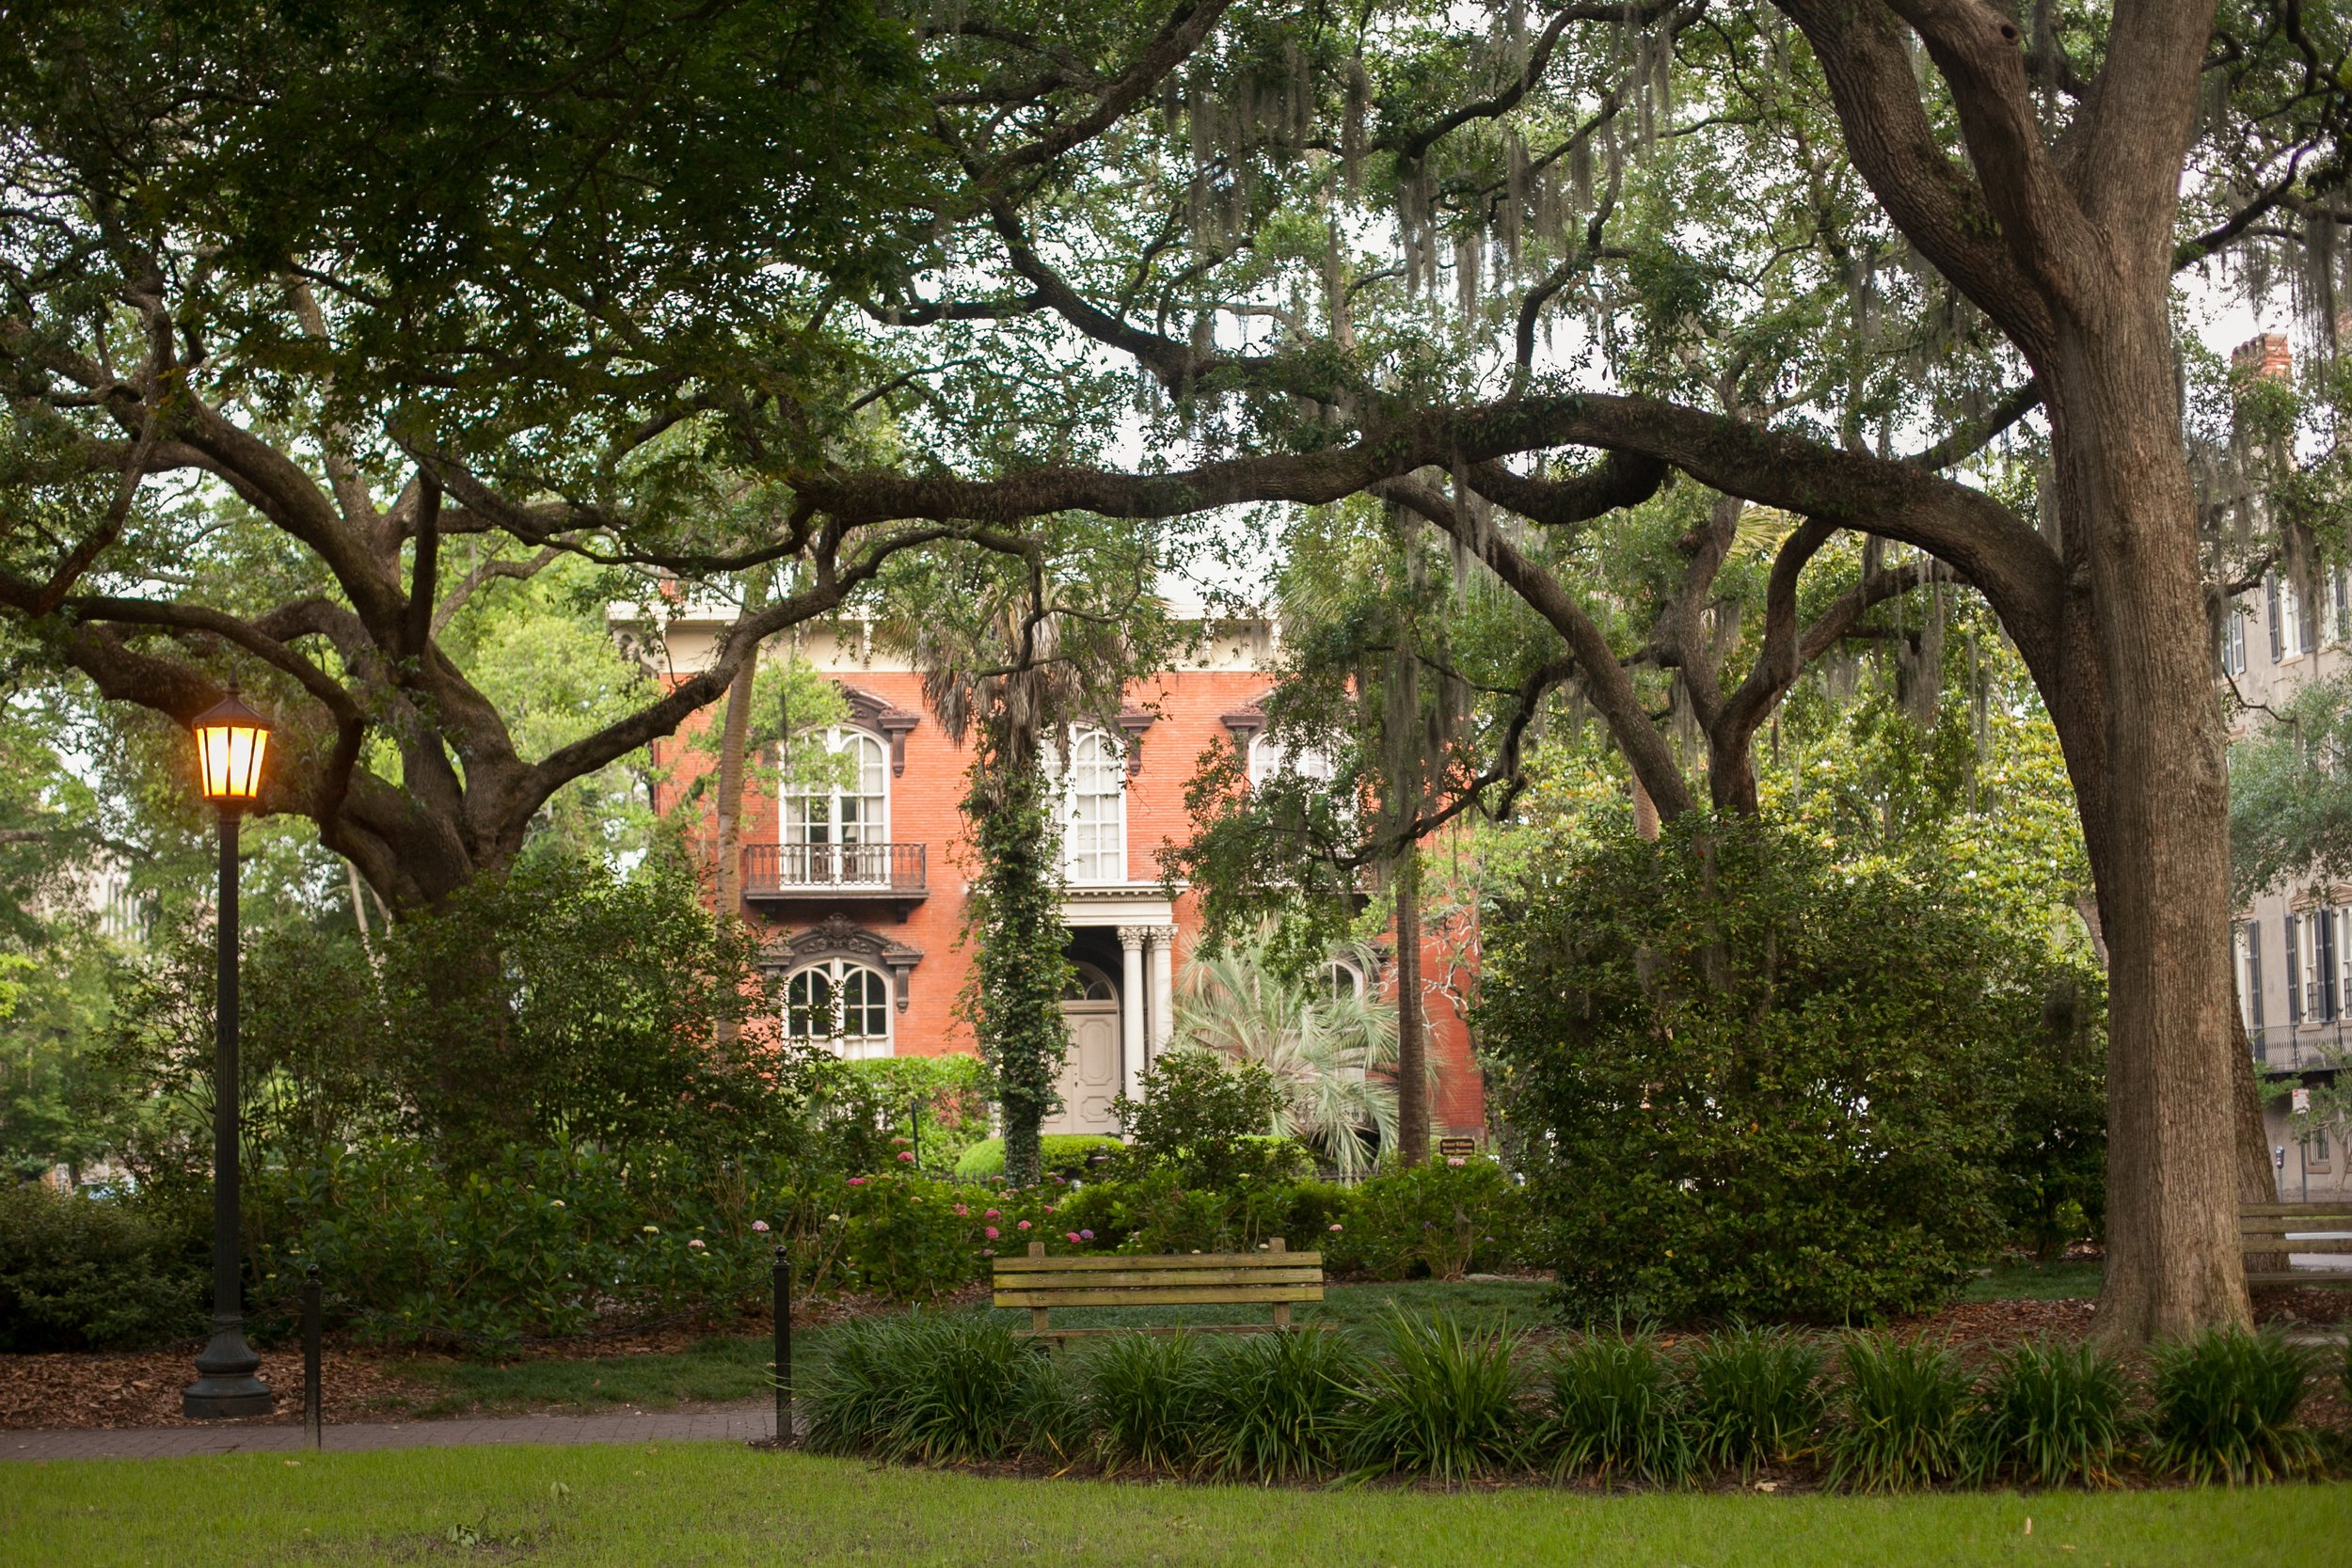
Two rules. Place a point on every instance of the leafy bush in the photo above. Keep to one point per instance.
(2225, 1408)
(2055, 1414)
(88, 1273)
(1437, 1219)
(1278, 1404)
(1750, 1081)
(1903, 1416)
(1754, 1396)
(1063, 1154)
(938, 1390)
(1444, 1403)
(1207, 1118)
(1149, 1394)
(1617, 1414)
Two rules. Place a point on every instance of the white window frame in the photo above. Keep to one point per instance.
(2291, 627)
(1356, 981)
(837, 975)
(2233, 641)
(873, 767)
(1087, 860)
(1268, 755)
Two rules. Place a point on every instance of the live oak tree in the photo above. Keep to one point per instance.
(1810, 258)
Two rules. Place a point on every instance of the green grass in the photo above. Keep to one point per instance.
(2031, 1282)
(715, 1504)
(736, 1368)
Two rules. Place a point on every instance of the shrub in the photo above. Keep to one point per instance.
(1435, 1219)
(1754, 1396)
(1205, 1119)
(1615, 1414)
(939, 1390)
(1904, 1416)
(88, 1273)
(2054, 1414)
(2225, 1408)
(1063, 1154)
(1277, 1403)
(1752, 1080)
(1148, 1394)
(1443, 1402)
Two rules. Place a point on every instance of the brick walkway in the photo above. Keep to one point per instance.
(732, 1423)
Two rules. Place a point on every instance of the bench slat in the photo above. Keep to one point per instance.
(2253, 1211)
(1214, 1296)
(2297, 1244)
(1171, 1260)
(1176, 1328)
(1105, 1280)
(2279, 1224)
(2321, 1279)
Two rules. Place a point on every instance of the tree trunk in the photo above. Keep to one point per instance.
(1412, 1048)
(2153, 827)
(2257, 1177)
(728, 869)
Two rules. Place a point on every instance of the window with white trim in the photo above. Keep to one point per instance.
(1343, 981)
(853, 807)
(1267, 757)
(842, 1003)
(2289, 605)
(1094, 811)
(2233, 651)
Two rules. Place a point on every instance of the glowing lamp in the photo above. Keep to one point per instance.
(231, 742)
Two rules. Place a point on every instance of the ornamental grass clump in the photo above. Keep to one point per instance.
(1752, 1397)
(2225, 1408)
(936, 1390)
(1904, 1416)
(1444, 1403)
(1148, 1394)
(1277, 1405)
(1616, 1413)
(2053, 1414)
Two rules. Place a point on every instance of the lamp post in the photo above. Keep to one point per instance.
(231, 742)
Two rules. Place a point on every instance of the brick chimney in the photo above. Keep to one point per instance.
(2267, 355)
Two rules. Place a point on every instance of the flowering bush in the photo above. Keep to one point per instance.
(1444, 1220)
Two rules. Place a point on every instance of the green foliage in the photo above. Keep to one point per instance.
(1277, 1405)
(1018, 971)
(89, 1273)
(1150, 1395)
(2055, 1415)
(940, 1389)
(1903, 1416)
(1203, 1119)
(1755, 1396)
(2290, 792)
(2225, 1408)
(1616, 1413)
(1749, 1078)
(1443, 1403)
(1062, 1154)
(1441, 1220)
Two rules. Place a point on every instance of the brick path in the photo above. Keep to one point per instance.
(734, 1423)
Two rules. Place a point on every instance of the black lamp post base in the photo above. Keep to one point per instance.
(226, 1386)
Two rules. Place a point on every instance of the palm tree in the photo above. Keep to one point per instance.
(1321, 1045)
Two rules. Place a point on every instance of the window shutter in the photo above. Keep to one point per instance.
(2254, 968)
(2294, 980)
(2324, 960)
(2278, 647)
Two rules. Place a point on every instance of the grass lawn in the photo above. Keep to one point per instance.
(718, 1504)
(737, 1369)
(2031, 1282)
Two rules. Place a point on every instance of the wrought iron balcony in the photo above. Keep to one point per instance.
(786, 873)
(2320, 1047)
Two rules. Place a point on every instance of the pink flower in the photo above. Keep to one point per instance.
(990, 1232)
(857, 1181)
(1336, 1227)
(1049, 1208)
(988, 1252)
(1086, 1235)
(1024, 1225)
(905, 1158)
(695, 1244)
(1072, 1238)
(991, 1214)
(961, 1209)
(759, 1227)
(1456, 1159)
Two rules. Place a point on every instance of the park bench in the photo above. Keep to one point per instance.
(2264, 1229)
(1275, 1277)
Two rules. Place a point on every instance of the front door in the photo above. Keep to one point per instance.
(1089, 1070)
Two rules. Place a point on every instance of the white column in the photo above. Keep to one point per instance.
(1163, 987)
(1130, 1009)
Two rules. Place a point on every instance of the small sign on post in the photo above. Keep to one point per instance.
(1456, 1148)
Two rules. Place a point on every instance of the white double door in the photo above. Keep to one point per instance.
(1089, 1070)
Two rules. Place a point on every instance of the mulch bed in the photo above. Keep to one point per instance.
(141, 1388)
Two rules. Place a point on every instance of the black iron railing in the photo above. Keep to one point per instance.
(2302, 1047)
(771, 869)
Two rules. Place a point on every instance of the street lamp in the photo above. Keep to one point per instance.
(231, 742)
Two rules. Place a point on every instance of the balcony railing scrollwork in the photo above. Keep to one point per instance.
(793, 871)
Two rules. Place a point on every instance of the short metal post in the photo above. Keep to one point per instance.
(915, 1120)
(785, 1434)
(313, 1392)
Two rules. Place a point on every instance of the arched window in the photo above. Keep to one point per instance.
(1086, 983)
(1342, 980)
(843, 1004)
(844, 821)
(1268, 755)
(1095, 823)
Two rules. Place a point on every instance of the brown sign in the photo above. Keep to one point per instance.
(1456, 1148)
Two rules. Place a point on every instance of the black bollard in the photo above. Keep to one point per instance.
(313, 1396)
(784, 1348)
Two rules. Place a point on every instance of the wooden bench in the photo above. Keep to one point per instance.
(2264, 1229)
(1276, 1276)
